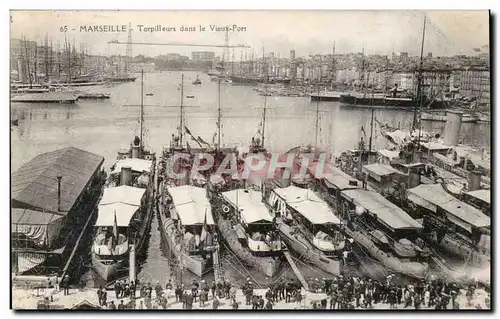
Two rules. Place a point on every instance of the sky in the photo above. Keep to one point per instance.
(307, 32)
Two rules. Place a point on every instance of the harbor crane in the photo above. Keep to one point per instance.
(183, 44)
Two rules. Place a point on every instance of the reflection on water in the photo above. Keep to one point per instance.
(105, 126)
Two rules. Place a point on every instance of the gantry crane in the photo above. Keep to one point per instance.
(183, 44)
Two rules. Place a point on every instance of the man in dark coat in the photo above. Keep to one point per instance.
(213, 288)
(99, 295)
(121, 306)
(104, 297)
(189, 301)
(117, 289)
(260, 303)
(132, 289)
(269, 305)
(65, 285)
(255, 302)
(215, 303)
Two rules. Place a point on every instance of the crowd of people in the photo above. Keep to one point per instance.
(341, 292)
(346, 292)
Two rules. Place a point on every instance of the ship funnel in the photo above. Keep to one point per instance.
(413, 179)
(452, 128)
(59, 193)
(136, 149)
(126, 175)
(474, 180)
(417, 157)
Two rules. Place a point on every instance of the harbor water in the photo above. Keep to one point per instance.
(103, 127)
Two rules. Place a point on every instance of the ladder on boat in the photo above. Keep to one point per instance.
(217, 266)
(296, 270)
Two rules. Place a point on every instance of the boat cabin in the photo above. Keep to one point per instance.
(387, 224)
(335, 182)
(388, 157)
(442, 211)
(120, 214)
(479, 198)
(254, 223)
(315, 219)
(380, 176)
(136, 151)
(190, 209)
(135, 172)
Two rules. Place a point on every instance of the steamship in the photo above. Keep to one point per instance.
(124, 211)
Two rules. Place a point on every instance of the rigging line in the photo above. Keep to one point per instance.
(249, 274)
(308, 266)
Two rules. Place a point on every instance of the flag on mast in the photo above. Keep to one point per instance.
(115, 230)
(204, 232)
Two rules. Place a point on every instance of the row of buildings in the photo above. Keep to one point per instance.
(457, 75)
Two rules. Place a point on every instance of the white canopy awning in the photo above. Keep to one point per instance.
(122, 194)
(124, 213)
(191, 204)
(481, 194)
(308, 204)
(249, 203)
(137, 165)
(436, 196)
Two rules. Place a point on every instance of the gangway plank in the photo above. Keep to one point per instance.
(216, 261)
(296, 270)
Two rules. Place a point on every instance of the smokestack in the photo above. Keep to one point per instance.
(452, 128)
(413, 179)
(474, 180)
(136, 150)
(417, 157)
(59, 193)
(126, 175)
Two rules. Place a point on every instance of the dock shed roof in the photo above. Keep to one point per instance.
(34, 185)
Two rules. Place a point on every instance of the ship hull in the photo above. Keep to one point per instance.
(108, 272)
(120, 80)
(411, 269)
(297, 243)
(267, 265)
(195, 264)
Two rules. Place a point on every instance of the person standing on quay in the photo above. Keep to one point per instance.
(65, 285)
(215, 303)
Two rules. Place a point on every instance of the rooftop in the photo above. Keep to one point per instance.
(34, 185)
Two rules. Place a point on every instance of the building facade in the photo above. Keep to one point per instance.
(203, 56)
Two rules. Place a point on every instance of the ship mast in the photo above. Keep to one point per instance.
(142, 106)
(265, 103)
(317, 122)
(371, 132)
(182, 110)
(419, 87)
(362, 75)
(333, 66)
(218, 115)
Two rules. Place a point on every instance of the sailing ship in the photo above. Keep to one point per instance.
(391, 98)
(125, 210)
(187, 225)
